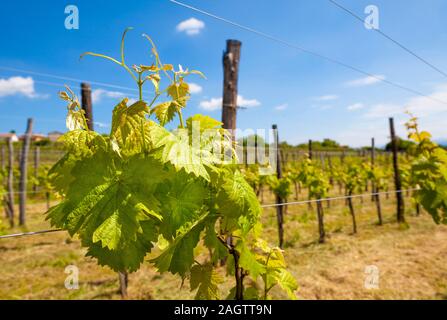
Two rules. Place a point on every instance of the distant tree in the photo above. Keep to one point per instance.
(256, 138)
(328, 143)
(43, 142)
(402, 145)
(284, 145)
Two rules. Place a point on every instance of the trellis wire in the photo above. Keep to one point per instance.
(31, 233)
(22, 234)
(20, 192)
(337, 198)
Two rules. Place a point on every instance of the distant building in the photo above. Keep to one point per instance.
(35, 137)
(53, 136)
(6, 136)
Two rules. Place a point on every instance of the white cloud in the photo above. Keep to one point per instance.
(329, 97)
(282, 107)
(191, 27)
(247, 103)
(434, 103)
(366, 81)
(431, 114)
(101, 124)
(430, 105)
(99, 94)
(355, 106)
(359, 133)
(211, 105)
(18, 86)
(322, 107)
(216, 103)
(194, 88)
(384, 110)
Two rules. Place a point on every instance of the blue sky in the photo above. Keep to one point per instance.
(309, 98)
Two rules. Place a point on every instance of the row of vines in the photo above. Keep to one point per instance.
(144, 187)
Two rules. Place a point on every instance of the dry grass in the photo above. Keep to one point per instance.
(412, 262)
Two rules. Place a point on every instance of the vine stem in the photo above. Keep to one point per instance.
(238, 271)
(239, 276)
(182, 125)
(140, 86)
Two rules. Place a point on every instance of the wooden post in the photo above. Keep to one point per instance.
(397, 181)
(24, 172)
(231, 59)
(86, 93)
(320, 215)
(309, 155)
(10, 195)
(375, 188)
(331, 177)
(279, 200)
(3, 156)
(230, 62)
(352, 212)
(310, 149)
(124, 281)
(373, 160)
(36, 165)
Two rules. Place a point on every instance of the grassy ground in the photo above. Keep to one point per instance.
(411, 262)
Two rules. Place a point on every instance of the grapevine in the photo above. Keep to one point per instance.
(429, 172)
(143, 186)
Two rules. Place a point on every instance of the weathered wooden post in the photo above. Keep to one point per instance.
(375, 188)
(86, 100)
(10, 183)
(373, 160)
(397, 181)
(309, 155)
(279, 200)
(331, 176)
(24, 171)
(231, 59)
(3, 156)
(36, 166)
(310, 149)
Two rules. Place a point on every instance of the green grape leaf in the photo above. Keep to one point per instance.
(248, 261)
(179, 92)
(181, 201)
(165, 112)
(176, 149)
(206, 280)
(205, 122)
(60, 176)
(179, 256)
(108, 200)
(131, 255)
(286, 281)
(219, 251)
(236, 198)
(82, 142)
(128, 125)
